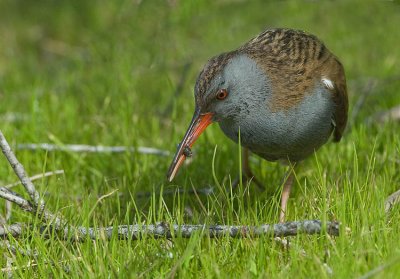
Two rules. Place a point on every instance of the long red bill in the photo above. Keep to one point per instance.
(198, 124)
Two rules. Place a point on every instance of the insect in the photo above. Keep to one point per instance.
(187, 151)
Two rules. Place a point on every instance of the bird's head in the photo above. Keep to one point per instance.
(225, 89)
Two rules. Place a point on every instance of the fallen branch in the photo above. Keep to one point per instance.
(32, 178)
(36, 206)
(92, 148)
(165, 230)
(52, 219)
(19, 170)
(14, 198)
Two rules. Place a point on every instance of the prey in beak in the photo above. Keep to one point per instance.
(199, 123)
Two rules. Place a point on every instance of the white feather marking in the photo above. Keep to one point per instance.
(328, 83)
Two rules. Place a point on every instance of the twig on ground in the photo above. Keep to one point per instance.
(52, 219)
(92, 148)
(392, 200)
(164, 230)
(15, 198)
(36, 206)
(32, 178)
(20, 171)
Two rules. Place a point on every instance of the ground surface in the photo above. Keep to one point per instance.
(110, 72)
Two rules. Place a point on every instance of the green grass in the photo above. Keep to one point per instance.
(105, 72)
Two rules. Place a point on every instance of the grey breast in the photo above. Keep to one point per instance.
(280, 134)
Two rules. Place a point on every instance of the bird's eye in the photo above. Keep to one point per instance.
(222, 94)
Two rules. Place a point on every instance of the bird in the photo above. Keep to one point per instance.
(283, 93)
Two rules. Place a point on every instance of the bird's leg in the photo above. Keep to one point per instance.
(289, 177)
(247, 174)
(288, 182)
